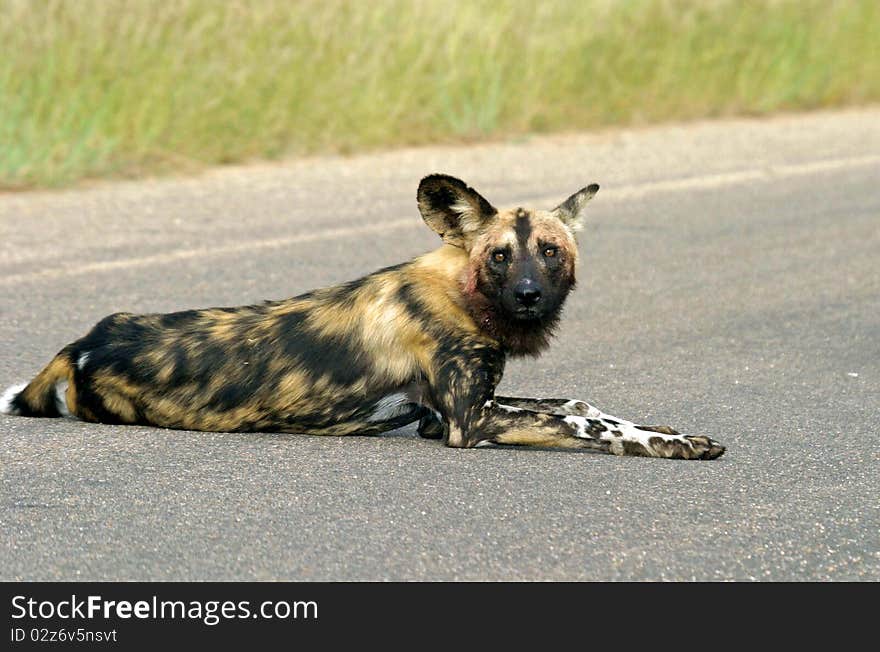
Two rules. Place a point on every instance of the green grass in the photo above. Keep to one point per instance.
(108, 88)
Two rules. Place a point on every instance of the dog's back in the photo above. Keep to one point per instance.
(340, 359)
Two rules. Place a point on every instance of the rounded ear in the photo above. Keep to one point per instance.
(571, 211)
(453, 210)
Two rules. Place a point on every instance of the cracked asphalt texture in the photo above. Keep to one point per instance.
(729, 285)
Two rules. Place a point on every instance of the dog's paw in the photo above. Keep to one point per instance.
(430, 427)
(702, 448)
(677, 446)
(672, 444)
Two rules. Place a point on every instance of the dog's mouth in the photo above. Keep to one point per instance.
(528, 314)
(514, 311)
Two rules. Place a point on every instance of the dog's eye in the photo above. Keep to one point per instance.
(550, 252)
(499, 256)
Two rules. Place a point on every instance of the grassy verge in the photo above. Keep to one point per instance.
(106, 87)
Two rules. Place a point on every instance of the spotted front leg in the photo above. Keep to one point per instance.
(563, 406)
(562, 423)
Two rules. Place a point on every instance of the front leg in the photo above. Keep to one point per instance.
(563, 406)
(463, 381)
(562, 423)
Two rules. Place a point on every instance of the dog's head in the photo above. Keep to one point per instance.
(521, 261)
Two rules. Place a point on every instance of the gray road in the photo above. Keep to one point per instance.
(730, 285)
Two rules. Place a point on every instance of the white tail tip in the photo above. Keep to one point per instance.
(8, 396)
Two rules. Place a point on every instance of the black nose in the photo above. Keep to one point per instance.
(527, 292)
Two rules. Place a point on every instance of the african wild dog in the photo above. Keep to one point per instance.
(422, 341)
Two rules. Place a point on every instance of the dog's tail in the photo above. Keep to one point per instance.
(44, 396)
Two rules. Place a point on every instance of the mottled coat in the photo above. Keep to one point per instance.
(424, 340)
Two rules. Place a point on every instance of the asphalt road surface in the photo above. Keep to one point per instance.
(730, 286)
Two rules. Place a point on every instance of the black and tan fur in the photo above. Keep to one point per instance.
(426, 340)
